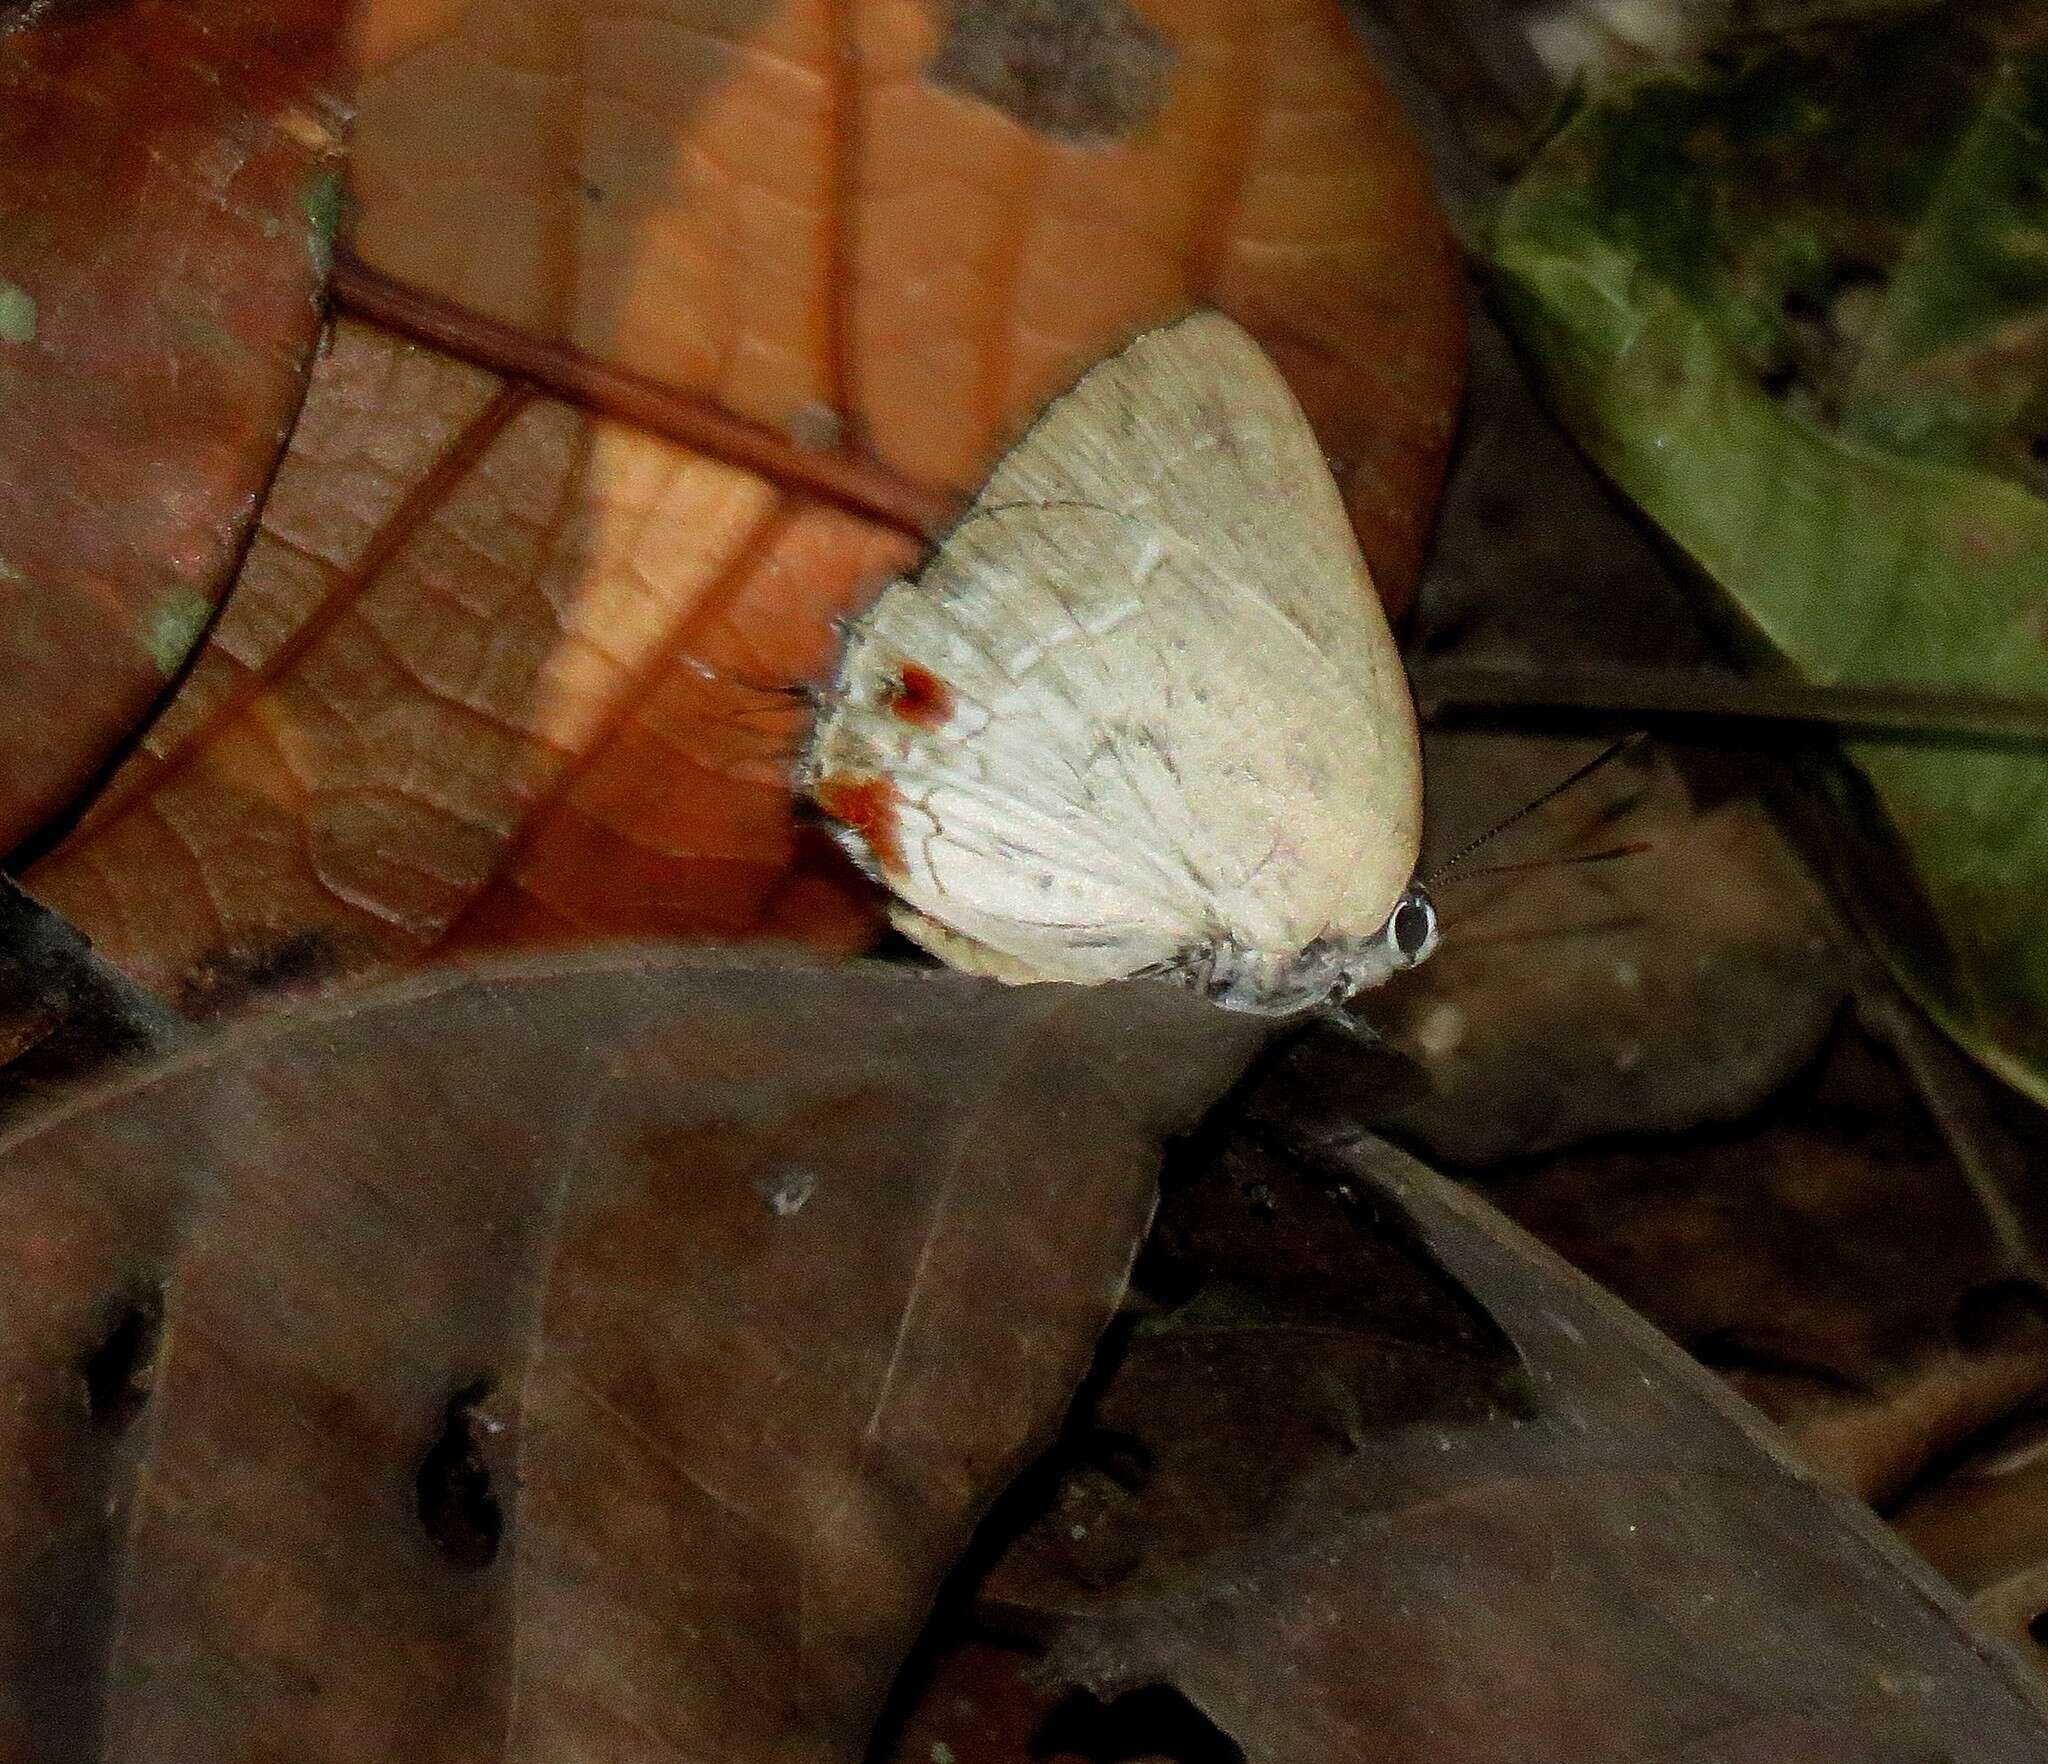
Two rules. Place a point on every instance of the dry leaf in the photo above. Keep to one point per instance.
(602, 1359)
(1289, 1321)
(169, 183)
(1829, 1256)
(1635, 1569)
(1680, 985)
(489, 676)
(1984, 1525)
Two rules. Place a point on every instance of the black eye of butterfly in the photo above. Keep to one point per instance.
(1414, 922)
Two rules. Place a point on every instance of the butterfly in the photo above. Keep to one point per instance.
(1140, 713)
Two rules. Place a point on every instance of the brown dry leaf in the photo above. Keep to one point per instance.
(1276, 1318)
(1634, 1569)
(594, 1359)
(977, 1704)
(1984, 1525)
(1830, 1257)
(987, 1702)
(728, 305)
(169, 181)
(907, 223)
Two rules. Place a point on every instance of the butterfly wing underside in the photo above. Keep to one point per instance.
(1143, 700)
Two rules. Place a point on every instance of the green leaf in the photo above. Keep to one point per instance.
(1796, 304)
(1955, 366)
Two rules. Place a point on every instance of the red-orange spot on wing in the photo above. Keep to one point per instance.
(921, 697)
(868, 806)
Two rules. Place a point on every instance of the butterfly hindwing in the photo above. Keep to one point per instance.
(1143, 699)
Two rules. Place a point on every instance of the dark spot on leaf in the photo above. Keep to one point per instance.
(119, 1372)
(1997, 1314)
(2037, 1629)
(1854, 272)
(457, 1509)
(1154, 1722)
(226, 978)
(1090, 71)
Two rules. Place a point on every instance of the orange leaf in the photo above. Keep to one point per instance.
(676, 333)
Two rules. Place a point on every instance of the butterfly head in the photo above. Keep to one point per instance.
(1324, 971)
(1410, 935)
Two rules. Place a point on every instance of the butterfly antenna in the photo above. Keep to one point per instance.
(1635, 848)
(1458, 857)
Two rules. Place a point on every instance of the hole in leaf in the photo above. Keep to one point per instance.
(1152, 1722)
(1997, 1313)
(457, 1509)
(119, 1372)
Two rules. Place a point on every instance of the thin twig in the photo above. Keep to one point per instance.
(1882, 713)
(1991, 1162)
(851, 480)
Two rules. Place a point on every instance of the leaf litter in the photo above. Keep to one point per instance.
(1513, 1522)
(1313, 1319)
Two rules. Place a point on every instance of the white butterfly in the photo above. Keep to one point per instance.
(1141, 712)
